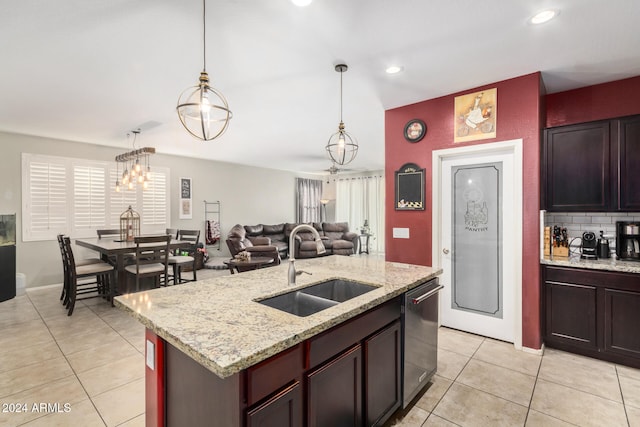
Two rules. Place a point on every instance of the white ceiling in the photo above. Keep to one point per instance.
(91, 71)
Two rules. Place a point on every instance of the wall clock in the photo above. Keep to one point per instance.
(415, 130)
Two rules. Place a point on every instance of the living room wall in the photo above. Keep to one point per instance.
(519, 115)
(235, 186)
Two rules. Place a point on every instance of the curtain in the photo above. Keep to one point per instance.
(360, 199)
(308, 195)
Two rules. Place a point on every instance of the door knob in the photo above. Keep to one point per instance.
(445, 251)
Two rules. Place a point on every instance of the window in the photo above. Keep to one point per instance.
(77, 196)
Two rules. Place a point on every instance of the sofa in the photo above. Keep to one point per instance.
(335, 236)
(259, 246)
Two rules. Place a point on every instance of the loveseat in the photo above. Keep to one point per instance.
(336, 238)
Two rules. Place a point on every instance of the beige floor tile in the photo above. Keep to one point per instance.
(16, 310)
(450, 364)
(66, 390)
(34, 332)
(625, 371)
(538, 419)
(589, 375)
(467, 406)
(458, 341)
(505, 355)
(119, 320)
(436, 421)
(138, 421)
(89, 340)
(500, 382)
(434, 393)
(20, 379)
(67, 326)
(112, 375)
(630, 391)
(576, 407)
(633, 415)
(80, 414)
(415, 417)
(58, 310)
(121, 404)
(98, 356)
(19, 357)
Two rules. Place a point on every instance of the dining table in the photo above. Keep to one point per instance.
(118, 249)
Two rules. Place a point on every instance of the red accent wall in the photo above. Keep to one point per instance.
(519, 115)
(155, 384)
(598, 102)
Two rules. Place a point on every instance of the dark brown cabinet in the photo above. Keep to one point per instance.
(284, 409)
(589, 167)
(382, 374)
(335, 391)
(594, 313)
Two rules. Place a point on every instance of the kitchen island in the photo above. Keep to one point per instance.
(218, 356)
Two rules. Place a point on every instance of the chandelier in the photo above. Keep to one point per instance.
(342, 147)
(204, 111)
(135, 165)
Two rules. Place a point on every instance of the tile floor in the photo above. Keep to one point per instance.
(48, 357)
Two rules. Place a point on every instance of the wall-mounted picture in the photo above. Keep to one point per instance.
(410, 188)
(186, 207)
(475, 116)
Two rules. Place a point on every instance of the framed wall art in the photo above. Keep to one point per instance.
(410, 188)
(186, 205)
(415, 130)
(475, 115)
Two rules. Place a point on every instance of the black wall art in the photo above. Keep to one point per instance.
(410, 188)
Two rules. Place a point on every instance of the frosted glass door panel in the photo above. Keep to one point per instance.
(476, 239)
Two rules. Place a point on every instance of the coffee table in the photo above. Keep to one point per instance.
(251, 264)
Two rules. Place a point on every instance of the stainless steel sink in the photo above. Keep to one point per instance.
(307, 301)
(338, 290)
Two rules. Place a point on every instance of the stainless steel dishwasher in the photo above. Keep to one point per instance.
(420, 338)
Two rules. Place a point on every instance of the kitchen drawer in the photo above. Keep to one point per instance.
(274, 373)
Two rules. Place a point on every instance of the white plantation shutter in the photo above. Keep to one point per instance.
(45, 203)
(155, 202)
(89, 202)
(77, 196)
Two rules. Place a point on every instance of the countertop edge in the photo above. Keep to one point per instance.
(631, 267)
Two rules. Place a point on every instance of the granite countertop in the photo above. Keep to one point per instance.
(610, 264)
(218, 323)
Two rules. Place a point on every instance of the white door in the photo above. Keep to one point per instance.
(480, 242)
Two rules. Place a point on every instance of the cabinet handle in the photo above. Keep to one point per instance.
(423, 297)
(445, 251)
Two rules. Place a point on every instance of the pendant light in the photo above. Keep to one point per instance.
(342, 147)
(204, 111)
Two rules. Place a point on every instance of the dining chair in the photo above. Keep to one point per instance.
(84, 261)
(84, 281)
(152, 253)
(113, 233)
(173, 232)
(177, 261)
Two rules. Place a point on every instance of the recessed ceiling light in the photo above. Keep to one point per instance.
(544, 16)
(301, 3)
(394, 69)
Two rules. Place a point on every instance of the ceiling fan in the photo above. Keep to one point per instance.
(333, 170)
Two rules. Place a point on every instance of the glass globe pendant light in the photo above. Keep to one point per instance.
(342, 147)
(204, 111)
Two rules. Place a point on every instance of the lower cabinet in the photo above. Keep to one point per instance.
(592, 312)
(349, 376)
(334, 391)
(284, 409)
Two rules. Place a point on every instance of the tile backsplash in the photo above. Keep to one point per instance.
(579, 222)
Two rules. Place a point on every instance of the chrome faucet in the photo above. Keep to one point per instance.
(319, 249)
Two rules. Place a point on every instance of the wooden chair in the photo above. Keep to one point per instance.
(114, 233)
(91, 280)
(85, 261)
(173, 232)
(179, 261)
(152, 253)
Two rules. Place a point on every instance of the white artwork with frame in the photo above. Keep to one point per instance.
(186, 192)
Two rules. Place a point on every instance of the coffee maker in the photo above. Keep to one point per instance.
(628, 240)
(589, 245)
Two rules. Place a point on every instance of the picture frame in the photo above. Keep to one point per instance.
(475, 116)
(410, 188)
(415, 130)
(186, 206)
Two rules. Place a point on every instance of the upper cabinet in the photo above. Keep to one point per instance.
(589, 167)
